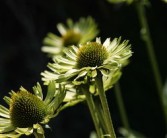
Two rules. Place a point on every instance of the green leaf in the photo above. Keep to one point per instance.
(50, 92)
(38, 91)
(58, 97)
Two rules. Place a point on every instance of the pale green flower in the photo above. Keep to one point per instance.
(73, 33)
(80, 65)
(73, 95)
(28, 113)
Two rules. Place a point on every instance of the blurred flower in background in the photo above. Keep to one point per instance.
(73, 33)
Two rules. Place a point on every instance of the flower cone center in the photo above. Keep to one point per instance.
(91, 54)
(71, 38)
(26, 109)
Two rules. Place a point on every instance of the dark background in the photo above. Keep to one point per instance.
(24, 24)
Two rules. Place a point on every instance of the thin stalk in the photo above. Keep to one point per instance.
(121, 106)
(100, 114)
(145, 34)
(104, 103)
(93, 111)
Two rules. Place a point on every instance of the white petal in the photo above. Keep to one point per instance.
(52, 50)
(4, 122)
(61, 29)
(75, 49)
(112, 44)
(69, 96)
(4, 112)
(107, 42)
(98, 40)
(71, 55)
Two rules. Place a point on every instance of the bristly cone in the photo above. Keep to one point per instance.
(26, 109)
(91, 54)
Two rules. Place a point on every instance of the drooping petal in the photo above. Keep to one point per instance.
(4, 112)
(7, 100)
(62, 29)
(7, 128)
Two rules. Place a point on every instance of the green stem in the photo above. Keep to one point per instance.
(103, 99)
(100, 114)
(121, 106)
(93, 110)
(145, 34)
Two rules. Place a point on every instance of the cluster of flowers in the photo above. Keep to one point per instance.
(78, 60)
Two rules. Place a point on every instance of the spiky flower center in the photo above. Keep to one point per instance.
(71, 38)
(26, 109)
(91, 54)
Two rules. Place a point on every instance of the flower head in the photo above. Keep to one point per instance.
(28, 112)
(23, 104)
(81, 64)
(71, 34)
(91, 54)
